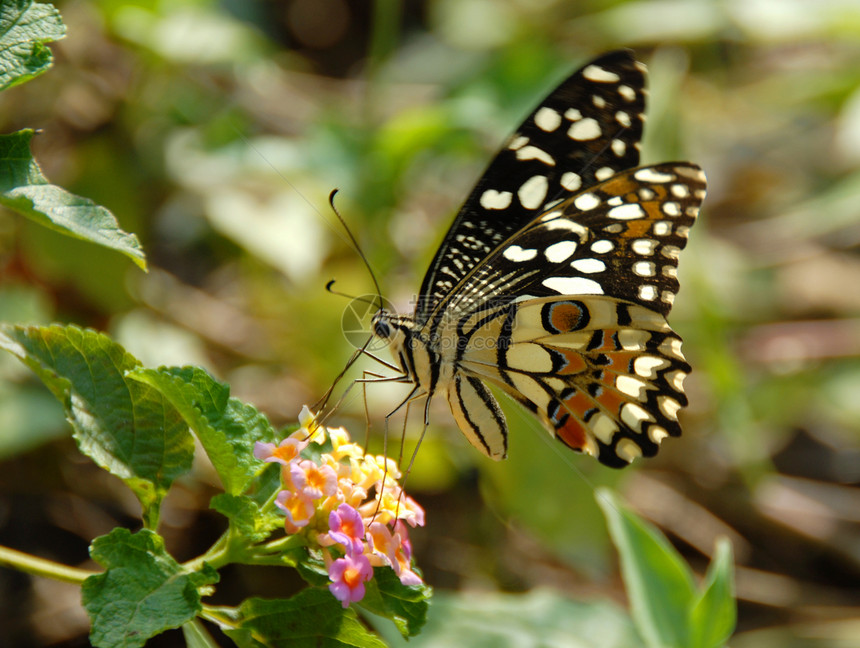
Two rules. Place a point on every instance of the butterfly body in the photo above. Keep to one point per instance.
(554, 282)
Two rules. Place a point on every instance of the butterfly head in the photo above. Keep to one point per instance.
(381, 325)
(396, 331)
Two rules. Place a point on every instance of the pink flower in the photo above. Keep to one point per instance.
(348, 576)
(283, 453)
(347, 528)
(298, 509)
(383, 545)
(403, 556)
(312, 480)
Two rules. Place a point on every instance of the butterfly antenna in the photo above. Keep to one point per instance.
(363, 298)
(357, 249)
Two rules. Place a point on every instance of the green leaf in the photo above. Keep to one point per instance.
(246, 516)
(125, 426)
(25, 190)
(227, 427)
(714, 615)
(143, 592)
(659, 584)
(24, 29)
(537, 618)
(405, 605)
(312, 618)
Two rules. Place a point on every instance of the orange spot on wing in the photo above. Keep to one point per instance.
(572, 433)
(620, 361)
(610, 400)
(565, 316)
(575, 362)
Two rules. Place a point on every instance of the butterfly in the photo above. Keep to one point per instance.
(555, 279)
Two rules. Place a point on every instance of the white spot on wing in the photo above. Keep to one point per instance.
(670, 251)
(603, 427)
(571, 181)
(676, 379)
(586, 201)
(644, 247)
(588, 266)
(631, 386)
(627, 93)
(662, 228)
(547, 119)
(647, 292)
(628, 450)
(653, 175)
(584, 130)
(669, 406)
(518, 142)
(680, 190)
(561, 251)
(619, 147)
(626, 211)
(600, 75)
(604, 173)
(623, 118)
(602, 246)
(573, 286)
(534, 153)
(644, 268)
(572, 114)
(517, 254)
(634, 415)
(657, 433)
(532, 193)
(492, 199)
(647, 366)
(671, 209)
(567, 224)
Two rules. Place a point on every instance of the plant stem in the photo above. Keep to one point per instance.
(217, 555)
(41, 567)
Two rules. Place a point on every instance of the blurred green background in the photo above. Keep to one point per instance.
(215, 131)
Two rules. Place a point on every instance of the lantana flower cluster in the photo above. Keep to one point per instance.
(346, 503)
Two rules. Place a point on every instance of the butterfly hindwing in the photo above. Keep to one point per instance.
(587, 130)
(604, 375)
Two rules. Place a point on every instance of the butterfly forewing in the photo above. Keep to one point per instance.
(619, 238)
(587, 130)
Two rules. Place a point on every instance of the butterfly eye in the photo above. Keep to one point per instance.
(382, 330)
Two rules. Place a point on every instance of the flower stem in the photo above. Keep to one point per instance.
(41, 567)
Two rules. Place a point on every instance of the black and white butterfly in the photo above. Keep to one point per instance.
(555, 279)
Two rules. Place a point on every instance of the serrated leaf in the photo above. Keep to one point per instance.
(312, 618)
(143, 591)
(226, 427)
(125, 426)
(405, 605)
(714, 614)
(25, 27)
(25, 190)
(659, 584)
